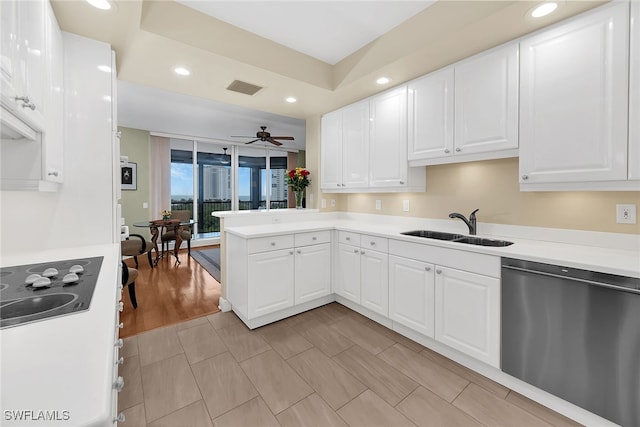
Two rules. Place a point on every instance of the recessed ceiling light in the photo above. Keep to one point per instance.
(383, 80)
(544, 9)
(104, 68)
(291, 99)
(181, 71)
(100, 4)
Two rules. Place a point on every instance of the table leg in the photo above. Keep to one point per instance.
(177, 231)
(154, 239)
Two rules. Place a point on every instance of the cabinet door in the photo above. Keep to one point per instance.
(331, 151)
(8, 52)
(53, 137)
(634, 93)
(348, 272)
(374, 281)
(411, 294)
(467, 309)
(486, 101)
(313, 272)
(355, 145)
(270, 278)
(573, 100)
(388, 153)
(431, 115)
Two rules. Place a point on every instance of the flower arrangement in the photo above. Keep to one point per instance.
(165, 215)
(298, 179)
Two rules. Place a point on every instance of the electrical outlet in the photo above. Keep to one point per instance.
(145, 205)
(405, 205)
(626, 214)
(323, 203)
(378, 205)
(333, 203)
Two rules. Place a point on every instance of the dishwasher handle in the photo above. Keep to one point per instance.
(622, 288)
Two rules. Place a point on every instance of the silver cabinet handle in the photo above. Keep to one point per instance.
(119, 385)
(119, 343)
(361, 252)
(372, 243)
(347, 238)
(299, 251)
(290, 252)
(273, 243)
(525, 177)
(337, 185)
(314, 238)
(344, 185)
(121, 325)
(458, 149)
(427, 268)
(438, 271)
(30, 106)
(24, 99)
(401, 182)
(120, 418)
(120, 306)
(54, 173)
(446, 150)
(120, 361)
(355, 251)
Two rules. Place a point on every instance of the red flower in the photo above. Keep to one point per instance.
(292, 173)
(304, 172)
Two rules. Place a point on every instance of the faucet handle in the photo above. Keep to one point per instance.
(473, 214)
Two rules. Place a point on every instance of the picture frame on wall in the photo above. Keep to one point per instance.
(129, 176)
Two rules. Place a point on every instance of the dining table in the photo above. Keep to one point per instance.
(157, 227)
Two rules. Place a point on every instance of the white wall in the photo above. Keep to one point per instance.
(81, 212)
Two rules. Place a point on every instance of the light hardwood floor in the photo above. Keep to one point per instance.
(168, 294)
(325, 367)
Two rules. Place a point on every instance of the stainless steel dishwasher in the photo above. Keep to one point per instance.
(574, 333)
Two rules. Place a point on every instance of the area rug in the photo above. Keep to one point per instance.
(209, 259)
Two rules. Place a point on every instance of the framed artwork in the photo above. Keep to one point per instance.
(129, 176)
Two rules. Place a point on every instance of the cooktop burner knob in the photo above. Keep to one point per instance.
(32, 278)
(70, 278)
(76, 269)
(50, 272)
(42, 282)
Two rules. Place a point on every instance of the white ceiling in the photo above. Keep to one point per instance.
(327, 30)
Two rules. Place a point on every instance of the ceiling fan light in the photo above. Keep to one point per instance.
(543, 9)
(181, 71)
(100, 4)
(291, 100)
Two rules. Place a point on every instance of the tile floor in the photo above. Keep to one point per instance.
(326, 367)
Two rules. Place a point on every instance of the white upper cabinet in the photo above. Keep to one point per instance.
(355, 145)
(574, 100)
(430, 115)
(331, 148)
(54, 135)
(486, 101)
(634, 94)
(388, 151)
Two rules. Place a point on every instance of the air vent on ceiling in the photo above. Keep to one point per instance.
(243, 87)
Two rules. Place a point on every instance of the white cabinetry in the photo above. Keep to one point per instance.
(574, 100)
(362, 271)
(634, 93)
(411, 294)
(467, 111)
(345, 148)
(278, 276)
(467, 313)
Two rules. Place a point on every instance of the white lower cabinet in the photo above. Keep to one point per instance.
(348, 272)
(374, 281)
(312, 272)
(467, 313)
(411, 294)
(271, 274)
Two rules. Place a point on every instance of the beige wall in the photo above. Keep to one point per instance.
(135, 144)
(492, 186)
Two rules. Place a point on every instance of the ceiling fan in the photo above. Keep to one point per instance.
(263, 135)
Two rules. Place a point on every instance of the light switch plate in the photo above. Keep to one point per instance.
(626, 214)
(145, 205)
(405, 205)
(323, 203)
(378, 205)
(333, 203)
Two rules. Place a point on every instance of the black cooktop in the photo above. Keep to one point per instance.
(34, 292)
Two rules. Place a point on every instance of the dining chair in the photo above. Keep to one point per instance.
(129, 276)
(137, 246)
(185, 233)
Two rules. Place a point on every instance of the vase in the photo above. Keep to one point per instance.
(299, 194)
(165, 218)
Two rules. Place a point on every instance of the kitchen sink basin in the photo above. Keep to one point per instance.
(428, 234)
(33, 305)
(481, 241)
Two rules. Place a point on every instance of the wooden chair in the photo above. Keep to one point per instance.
(129, 276)
(137, 246)
(185, 233)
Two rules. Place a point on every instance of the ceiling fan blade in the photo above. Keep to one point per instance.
(241, 136)
(286, 138)
(251, 142)
(274, 142)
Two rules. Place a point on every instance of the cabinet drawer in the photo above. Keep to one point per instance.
(379, 244)
(271, 243)
(312, 238)
(349, 238)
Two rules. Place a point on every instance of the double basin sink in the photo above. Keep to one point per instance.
(458, 238)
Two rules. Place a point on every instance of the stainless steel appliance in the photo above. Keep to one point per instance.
(35, 292)
(574, 333)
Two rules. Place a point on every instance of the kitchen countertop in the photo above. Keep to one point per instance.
(625, 262)
(63, 363)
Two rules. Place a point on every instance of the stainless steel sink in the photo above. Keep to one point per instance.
(481, 241)
(458, 238)
(428, 234)
(33, 305)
